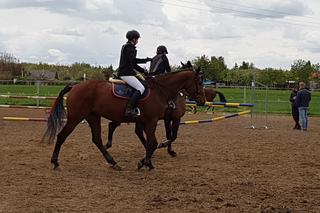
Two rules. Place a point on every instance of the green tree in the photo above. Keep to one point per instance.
(203, 62)
(217, 68)
(302, 70)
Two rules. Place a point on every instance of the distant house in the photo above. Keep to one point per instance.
(41, 75)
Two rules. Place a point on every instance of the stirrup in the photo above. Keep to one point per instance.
(171, 105)
(135, 112)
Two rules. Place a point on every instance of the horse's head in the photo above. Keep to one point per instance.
(194, 86)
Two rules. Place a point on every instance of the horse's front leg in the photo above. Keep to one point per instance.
(112, 128)
(139, 133)
(151, 145)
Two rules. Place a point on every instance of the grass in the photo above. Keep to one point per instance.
(278, 100)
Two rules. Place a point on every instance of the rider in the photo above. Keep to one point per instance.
(160, 63)
(126, 71)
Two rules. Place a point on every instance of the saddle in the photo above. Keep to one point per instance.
(122, 90)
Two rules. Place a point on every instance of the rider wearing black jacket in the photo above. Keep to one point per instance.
(160, 63)
(129, 62)
(126, 71)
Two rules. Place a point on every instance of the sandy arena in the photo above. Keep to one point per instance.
(220, 167)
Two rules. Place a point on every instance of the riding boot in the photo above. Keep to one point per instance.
(132, 109)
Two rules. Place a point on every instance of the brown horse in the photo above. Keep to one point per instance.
(93, 99)
(171, 119)
(210, 94)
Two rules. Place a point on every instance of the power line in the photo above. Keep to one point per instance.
(296, 22)
(256, 13)
(250, 7)
(250, 13)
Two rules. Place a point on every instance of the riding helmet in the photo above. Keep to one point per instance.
(132, 34)
(162, 49)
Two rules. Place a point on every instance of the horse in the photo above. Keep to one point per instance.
(171, 119)
(93, 99)
(210, 94)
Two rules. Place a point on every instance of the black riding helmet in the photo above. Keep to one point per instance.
(162, 49)
(132, 34)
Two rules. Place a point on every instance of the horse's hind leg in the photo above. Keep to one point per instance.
(61, 137)
(112, 128)
(168, 128)
(174, 128)
(95, 125)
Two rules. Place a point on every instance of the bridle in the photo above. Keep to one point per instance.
(199, 94)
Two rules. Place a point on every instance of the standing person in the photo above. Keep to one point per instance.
(302, 101)
(294, 108)
(160, 63)
(126, 71)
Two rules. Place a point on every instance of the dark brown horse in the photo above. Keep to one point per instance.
(171, 119)
(93, 99)
(210, 94)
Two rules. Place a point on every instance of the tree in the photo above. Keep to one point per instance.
(214, 69)
(9, 66)
(217, 68)
(203, 62)
(244, 66)
(302, 70)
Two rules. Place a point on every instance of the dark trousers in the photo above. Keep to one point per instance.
(295, 116)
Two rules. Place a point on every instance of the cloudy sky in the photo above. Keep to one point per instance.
(269, 33)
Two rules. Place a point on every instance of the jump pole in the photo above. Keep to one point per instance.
(215, 119)
(24, 107)
(226, 104)
(29, 97)
(23, 119)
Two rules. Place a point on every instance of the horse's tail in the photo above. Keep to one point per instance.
(221, 96)
(57, 114)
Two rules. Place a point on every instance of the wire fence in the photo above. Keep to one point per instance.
(278, 100)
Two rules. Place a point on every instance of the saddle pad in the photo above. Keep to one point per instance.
(125, 91)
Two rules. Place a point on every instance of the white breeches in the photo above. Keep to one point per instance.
(133, 82)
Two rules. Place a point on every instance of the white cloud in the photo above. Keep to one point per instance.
(66, 31)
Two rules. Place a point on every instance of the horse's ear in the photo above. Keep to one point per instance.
(189, 63)
(182, 63)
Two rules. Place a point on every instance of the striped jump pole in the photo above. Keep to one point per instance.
(215, 119)
(29, 97)
(213, 105)
(24, 107)
(225, 104)
(23, 119)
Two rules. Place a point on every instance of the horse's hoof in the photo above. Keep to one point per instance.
(140, 164)
(116, 167)
(161, 145)
(107, 146)
(55, 166)
(55, 163)
(150, 167)
(172, 153)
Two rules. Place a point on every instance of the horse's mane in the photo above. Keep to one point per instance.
(164, 76)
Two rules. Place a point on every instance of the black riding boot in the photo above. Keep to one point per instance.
(132, 109)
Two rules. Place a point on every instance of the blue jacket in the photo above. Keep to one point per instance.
(303, 98)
